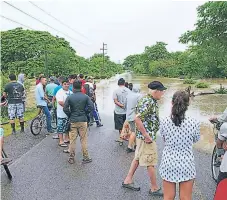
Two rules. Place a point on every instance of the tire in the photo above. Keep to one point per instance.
(53, 119)
(6, 166)
(214, 167)
(8, 172)
(36, 126)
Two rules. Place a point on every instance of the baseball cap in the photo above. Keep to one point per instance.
(156, 85)
(52, 78)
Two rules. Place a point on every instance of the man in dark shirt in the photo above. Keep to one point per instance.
(76, 107)
(14, 92)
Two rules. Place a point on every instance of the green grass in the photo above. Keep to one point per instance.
(28, 115)
(189, 81)
(202, 85)
(221, 90)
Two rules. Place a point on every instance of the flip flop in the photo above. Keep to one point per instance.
(156, 193)
(63, 145)
(131, 186)
(66, 142)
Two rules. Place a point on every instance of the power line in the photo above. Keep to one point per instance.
(43, 23)
(16, 22)
(59, 20)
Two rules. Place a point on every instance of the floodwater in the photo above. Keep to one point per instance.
(201, 107)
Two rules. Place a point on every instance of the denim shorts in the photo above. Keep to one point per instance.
(62, 125)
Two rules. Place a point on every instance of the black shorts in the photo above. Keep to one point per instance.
(119, 120)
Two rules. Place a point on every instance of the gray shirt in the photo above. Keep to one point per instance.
(121, 95)
(223, 117)
(131, 103)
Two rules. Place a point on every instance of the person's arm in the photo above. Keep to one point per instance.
(116, 100)
(142, 110)
(66, 107)
(60, 99)
(42, 94)
(196, 135)
(90, 105)
(5, 91)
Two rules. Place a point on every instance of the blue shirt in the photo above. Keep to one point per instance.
(39, 95)
(71, 87)
(56, 90)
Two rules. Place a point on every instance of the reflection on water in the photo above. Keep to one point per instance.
(202, 107)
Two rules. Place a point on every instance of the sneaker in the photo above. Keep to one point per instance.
(55, 137)
(130, 150)
(87, 160)
(51, 131)
(99, 125)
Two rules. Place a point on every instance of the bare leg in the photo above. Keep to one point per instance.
(60, 138)
(132, 170)
(169, 190)
(152, 174)
(186, 190)
(131, 141)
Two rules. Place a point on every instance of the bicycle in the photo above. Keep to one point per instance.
(6, 166)
(216, 160)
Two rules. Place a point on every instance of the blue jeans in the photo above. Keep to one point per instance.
(48, 117)
(96, 114)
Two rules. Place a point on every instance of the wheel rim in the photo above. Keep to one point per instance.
(36, 126)
(215, 167)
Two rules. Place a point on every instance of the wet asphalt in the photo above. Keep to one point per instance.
(41, 172)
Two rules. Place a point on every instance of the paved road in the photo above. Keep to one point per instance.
(43, 173)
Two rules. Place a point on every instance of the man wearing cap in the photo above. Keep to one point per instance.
(147, 122)
(119, 97)
(50, 88)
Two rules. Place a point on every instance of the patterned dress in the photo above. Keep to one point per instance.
(177, 163)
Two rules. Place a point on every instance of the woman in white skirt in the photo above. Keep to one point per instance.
(179, 133)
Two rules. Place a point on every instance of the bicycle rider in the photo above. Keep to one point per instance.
(42, 100)
(221, 144)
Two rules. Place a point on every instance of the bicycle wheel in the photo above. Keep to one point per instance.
(53, 119)
(215, 165)
(36, 126)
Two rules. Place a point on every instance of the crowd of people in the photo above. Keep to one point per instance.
(137, 119)
(76, 109)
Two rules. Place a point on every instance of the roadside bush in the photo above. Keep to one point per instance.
(202, 85)
(189, 81)
(221, 90)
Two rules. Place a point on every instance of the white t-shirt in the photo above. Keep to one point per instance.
(61, 96)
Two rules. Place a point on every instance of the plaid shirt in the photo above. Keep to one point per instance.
(147, 111)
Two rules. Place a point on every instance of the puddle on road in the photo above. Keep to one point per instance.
(202, 107)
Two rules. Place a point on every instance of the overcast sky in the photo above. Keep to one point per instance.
(127, 26)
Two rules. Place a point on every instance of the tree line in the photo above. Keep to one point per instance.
(205, 57)
(36, 52)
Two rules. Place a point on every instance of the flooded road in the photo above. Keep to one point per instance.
(202, 107)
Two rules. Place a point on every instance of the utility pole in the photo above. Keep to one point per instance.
(46, 68)
(103, 49)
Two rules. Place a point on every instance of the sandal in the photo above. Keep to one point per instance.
(63, 145)
(66, 142)
(131, 186)
(66, 151)
(71, 160)
(158, 192)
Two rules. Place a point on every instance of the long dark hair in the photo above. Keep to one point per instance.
(180, 103)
